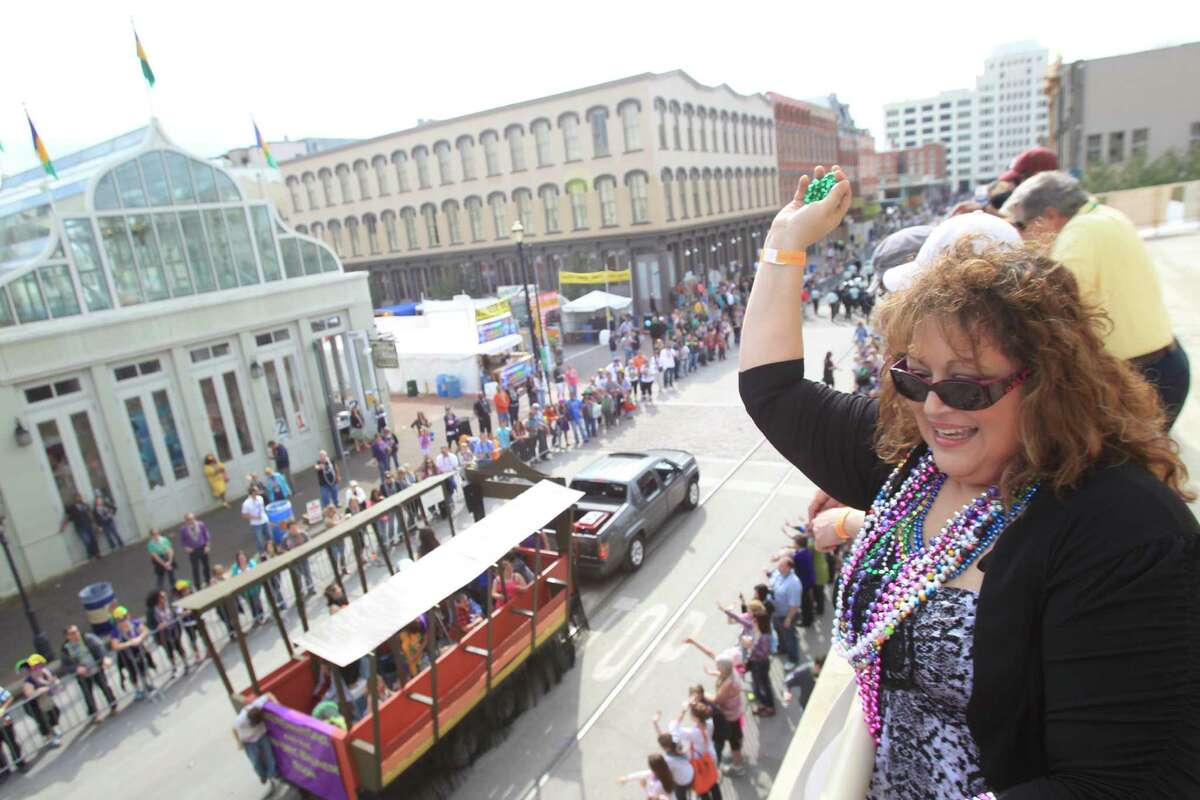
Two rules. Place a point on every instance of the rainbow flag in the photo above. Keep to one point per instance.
(147, 73)
(262, 145)
(40, 147)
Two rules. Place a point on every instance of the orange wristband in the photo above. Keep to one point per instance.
(840, 526)
(791, 258)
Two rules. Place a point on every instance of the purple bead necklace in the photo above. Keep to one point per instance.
(910, 574)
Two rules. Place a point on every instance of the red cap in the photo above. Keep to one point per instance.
(1030, 163)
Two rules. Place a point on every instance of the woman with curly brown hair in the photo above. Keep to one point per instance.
(1019, 603)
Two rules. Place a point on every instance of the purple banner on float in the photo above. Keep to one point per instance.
(304, 752)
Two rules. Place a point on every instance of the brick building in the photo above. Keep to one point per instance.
(913, 171)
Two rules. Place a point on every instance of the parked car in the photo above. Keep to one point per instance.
(627, 499)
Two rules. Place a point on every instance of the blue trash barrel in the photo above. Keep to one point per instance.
(453, 386)
(279, 513)
(98, 601)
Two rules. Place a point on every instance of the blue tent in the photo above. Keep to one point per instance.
(399, 310)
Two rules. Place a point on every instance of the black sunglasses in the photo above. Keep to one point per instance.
(963, 394)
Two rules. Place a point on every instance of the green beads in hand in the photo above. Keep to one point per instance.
(817, 189)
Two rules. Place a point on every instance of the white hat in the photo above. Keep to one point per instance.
(987, 229)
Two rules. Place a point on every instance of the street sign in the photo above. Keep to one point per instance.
(384, 355)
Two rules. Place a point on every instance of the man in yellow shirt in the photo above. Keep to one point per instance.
(1114, 269)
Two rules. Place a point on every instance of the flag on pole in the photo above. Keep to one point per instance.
(147, 73)
(43, 156)
(262, 145)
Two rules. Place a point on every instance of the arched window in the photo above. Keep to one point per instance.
(725, 129)
(515, 135)
(549, 195)
(702, 115)
(400, 162)
(690, 115)
(491, 154)
(335, 236)
(606, 188)
(598, 119)
(524, 202)
(660, 108)
(737, 179)
(421, 156)
(757, 188)
(694, 179)
(390, 231)
(753, 123)
(499, 214)
(453, 226)
(372, 233)
(293, 184)
(668, 200)
(379, 164)
(729, 189)
(343, 176)
(466, 153)
(352, 235)
(718, 179)
(302, 229)
(745, 128)
(361, 171)
(409, 217)
(541, 141)
(310, 189)
(681, 182)
(712, 118)
(674, 107)
(429, 212)
(569, 123)
(639, 196)
(326, 178)
(474, 208)
(441, 150)
(630, 112)
(577, 190)
(708, 203)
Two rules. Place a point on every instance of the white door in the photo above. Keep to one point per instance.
(160, 436)
(288, 393)
(80, 461)
(230, 425)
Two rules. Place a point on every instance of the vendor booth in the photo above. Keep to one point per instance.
(452, 346)
(586, 318)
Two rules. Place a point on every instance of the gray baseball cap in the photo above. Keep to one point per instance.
(899, 248)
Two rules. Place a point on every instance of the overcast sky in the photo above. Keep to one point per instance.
(358, 69)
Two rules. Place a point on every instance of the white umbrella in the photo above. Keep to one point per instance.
(598, 300)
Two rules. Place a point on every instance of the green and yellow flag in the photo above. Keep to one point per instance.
(147, 73)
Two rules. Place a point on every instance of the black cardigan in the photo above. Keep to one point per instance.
(1087, 631)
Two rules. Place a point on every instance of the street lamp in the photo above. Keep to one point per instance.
(41, 643)
(518, 235)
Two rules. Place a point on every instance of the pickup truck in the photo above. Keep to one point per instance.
(627, 499)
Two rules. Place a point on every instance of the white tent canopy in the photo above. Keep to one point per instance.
(376, 616)
(598, 300)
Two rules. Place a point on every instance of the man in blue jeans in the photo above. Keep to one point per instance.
(250, 733)
(575, 415)
(254, 511)
(328, 479)
(786, 592)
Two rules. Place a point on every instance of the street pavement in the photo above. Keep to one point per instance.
(596, 725)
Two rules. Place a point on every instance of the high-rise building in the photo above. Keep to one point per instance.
(1110, 110)
(983, 128)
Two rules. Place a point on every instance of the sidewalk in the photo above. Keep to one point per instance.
(56, 602)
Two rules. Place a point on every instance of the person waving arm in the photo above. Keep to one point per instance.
(827, 434)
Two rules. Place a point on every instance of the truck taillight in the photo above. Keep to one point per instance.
(602, 551)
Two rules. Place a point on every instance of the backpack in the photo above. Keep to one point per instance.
(704, 768)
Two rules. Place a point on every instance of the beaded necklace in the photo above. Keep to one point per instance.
(890, 549)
